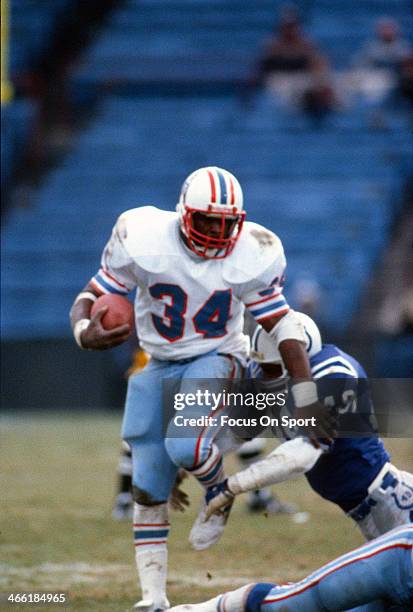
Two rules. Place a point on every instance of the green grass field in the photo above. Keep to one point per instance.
(57, 485)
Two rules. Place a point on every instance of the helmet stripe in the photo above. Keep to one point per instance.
(223, 187)
(213, 190)
(231, 183)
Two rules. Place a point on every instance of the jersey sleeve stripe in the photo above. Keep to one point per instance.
(273, 305)
(266, 292)
(265, 299)
(100, 287)
(115, 280)
(97, 287)
(339, 361)
(277, 313)
(333, 370)
(106, 285)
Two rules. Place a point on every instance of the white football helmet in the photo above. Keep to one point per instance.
(264, 350)
(216, 193)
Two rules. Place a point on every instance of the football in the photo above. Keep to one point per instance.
(120, 310)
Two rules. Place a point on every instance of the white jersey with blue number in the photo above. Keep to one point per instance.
(187, 305)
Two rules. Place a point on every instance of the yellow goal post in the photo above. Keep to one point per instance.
(6, 86)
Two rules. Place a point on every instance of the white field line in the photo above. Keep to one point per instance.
(69, 574)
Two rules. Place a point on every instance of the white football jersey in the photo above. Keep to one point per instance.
(186, 305)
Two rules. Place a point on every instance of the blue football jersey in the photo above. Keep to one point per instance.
(349, 465)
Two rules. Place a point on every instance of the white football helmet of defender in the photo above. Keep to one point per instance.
(216, 193)
(264, 349)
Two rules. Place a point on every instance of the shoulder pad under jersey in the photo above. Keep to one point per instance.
(257, 248)
(149, 236)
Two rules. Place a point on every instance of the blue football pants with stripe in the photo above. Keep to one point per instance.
(377, 576)
(156, 453)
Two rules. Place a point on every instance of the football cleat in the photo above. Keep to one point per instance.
(216, 194)
(211, 521)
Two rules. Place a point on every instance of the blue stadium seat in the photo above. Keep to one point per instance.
(16, 123)
(31, 24)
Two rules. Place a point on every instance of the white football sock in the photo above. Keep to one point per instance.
(151, 528)
(233, 601)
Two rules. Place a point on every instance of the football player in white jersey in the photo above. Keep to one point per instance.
(195, 271)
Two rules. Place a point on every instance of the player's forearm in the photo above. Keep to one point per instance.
(80, 312)
(288, 333)
(88, 329)
(290, 460)
(295, 359)
(83, 305)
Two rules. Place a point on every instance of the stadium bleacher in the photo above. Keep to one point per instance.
(16, 123)
(181, 40)
(331, 193)
(31, 25)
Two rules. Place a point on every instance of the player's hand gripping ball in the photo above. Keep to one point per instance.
(120, 311)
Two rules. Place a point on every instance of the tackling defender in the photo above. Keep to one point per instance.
(375, 577)
(195, 271)
(355, 472)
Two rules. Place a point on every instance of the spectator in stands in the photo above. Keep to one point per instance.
(387, 51)
(293, 67)
(319, 97)
(378, 64)
(289, 50)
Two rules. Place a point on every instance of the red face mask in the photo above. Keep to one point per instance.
(209, 232)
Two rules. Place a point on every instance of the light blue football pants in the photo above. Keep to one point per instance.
(156, 453)
(377, 576)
